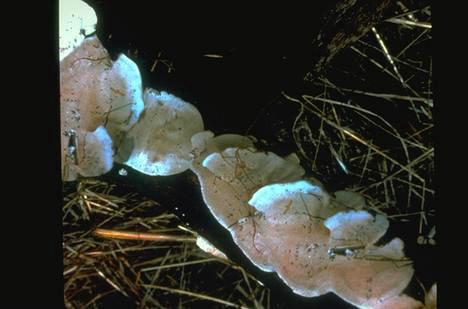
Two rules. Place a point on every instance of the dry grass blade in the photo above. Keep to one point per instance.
(193, 294)
(132, 247)
(401, 21)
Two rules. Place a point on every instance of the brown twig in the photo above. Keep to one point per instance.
(129, 235)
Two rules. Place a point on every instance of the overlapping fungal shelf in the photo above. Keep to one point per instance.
(159, 144)
(315, 241)
(100, 100)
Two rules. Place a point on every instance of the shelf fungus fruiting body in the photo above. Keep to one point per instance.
(159, 144)
(96, 92)
(282, 221)
(316, 243)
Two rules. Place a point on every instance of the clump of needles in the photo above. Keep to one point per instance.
(142, 254)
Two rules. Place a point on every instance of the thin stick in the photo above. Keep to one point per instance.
(140, 236)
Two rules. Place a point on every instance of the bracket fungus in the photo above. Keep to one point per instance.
(205, 143)
(317, 247)
(356, 228)
(159, 144)
(229, 178)
(316, 242)
(405, 302)
(94, 92)
(94, 152)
